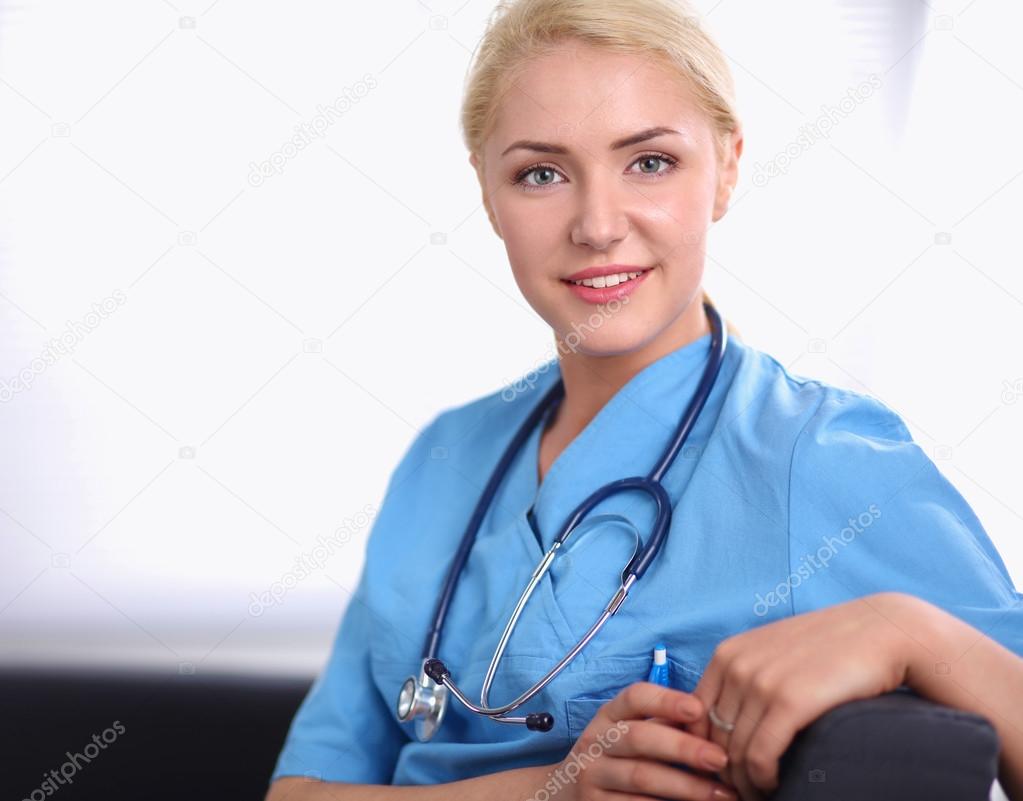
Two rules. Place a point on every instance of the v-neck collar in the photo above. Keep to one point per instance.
(624, 438)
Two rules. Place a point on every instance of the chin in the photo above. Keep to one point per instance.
(614, 340)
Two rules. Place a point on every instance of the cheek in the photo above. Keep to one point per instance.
(542, 212)
(676, 230)
(531, 238)
(675, 212)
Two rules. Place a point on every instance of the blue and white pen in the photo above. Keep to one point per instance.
(659, 669)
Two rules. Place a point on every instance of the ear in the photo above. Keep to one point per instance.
(476, 165)
(728, 173)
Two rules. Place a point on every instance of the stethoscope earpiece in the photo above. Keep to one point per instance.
(540, 721)
(435, 669)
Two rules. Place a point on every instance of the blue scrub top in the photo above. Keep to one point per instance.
(790, 495)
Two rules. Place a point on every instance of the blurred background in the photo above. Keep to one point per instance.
(215, 346)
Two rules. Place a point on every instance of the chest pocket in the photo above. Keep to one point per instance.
(611, 676)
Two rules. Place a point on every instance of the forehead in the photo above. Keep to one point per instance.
(595, 94)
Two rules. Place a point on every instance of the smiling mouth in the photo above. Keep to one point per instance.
(602, 281)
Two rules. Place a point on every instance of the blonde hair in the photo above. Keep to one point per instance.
(669, 31)
(732, 330)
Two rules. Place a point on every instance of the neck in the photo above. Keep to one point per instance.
(591, 381)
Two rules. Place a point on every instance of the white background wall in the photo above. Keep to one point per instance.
(273, 349)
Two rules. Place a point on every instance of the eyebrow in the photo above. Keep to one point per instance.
(618, 144)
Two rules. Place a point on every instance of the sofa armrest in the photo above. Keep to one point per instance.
(895, 746)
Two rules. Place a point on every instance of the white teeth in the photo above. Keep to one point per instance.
(607, 280)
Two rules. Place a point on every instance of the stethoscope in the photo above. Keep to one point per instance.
(425, 700)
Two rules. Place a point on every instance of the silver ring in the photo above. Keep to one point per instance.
(717, 721)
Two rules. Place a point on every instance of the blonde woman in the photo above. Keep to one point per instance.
(809, 552)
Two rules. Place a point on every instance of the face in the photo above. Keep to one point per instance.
(601, 200)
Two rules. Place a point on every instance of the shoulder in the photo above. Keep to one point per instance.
(439, 476)
(480, 417)
(806, 417)
(470, 430)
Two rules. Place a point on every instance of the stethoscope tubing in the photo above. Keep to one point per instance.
(633, 571)
(642, 560)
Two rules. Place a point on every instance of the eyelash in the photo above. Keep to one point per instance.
(519, 179)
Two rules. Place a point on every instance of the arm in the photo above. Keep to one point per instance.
(517, 784)
(332, 739)
(954, 664)
(919, 539)
(775, 680)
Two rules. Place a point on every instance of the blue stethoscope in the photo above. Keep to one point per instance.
(425, 699)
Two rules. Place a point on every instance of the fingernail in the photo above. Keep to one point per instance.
(724, 795)
(714, 760)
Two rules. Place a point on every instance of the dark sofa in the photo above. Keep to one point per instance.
(197, 737)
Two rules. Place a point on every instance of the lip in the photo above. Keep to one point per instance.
(592, 294)
(605, 269)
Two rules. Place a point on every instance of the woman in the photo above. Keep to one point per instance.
(815, 555)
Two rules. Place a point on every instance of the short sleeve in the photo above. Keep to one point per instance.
(343, 730)
(870, 512)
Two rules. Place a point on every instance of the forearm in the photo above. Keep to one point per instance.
(511, 785)
(954, 664)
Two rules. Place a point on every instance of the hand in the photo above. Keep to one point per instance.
(774, 680)
(632, 745)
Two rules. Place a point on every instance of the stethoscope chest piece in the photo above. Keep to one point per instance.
(423, 701)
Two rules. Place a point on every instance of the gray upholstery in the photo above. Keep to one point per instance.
(896, 747)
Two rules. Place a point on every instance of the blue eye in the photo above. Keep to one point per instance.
(548, 170)
(538, 169)
(654, 157)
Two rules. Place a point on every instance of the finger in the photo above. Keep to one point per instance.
(770, 740)
(727, 704)
(614, 795)
(709, 687)
(643, 699)
(648, 740)
(746, 718)
(650, 778)
(684, 727)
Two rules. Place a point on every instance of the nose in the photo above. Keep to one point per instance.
(601, 219)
